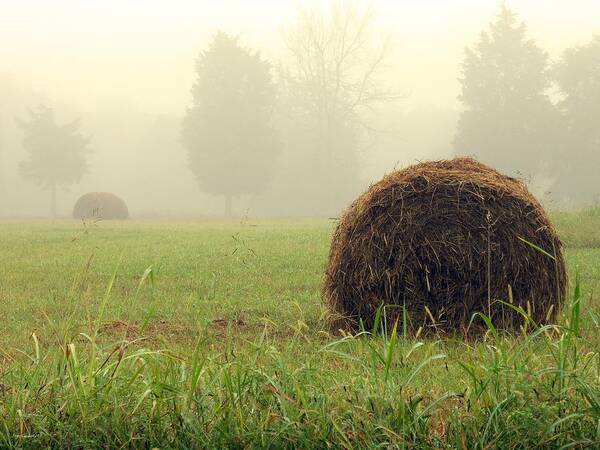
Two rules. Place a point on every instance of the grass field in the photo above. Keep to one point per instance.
(213, 334)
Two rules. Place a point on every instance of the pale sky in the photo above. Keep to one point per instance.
(140, 53)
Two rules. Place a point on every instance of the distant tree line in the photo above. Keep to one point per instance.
(523, 114)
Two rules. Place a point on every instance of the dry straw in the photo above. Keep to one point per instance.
(438, 242)
(102, 205)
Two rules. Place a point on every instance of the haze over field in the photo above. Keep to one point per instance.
(126, 69)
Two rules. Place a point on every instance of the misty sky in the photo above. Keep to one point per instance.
(140, 53)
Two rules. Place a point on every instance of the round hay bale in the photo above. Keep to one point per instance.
(441, 241)
(102, 205)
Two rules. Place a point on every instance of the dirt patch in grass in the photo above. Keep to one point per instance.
(234, 324)
(153, 332)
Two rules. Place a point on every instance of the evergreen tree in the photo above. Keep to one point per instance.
(227, 131)
(508, 119)
(578, 77)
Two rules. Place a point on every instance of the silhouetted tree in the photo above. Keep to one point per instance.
(330, 83)
(578, 77)
(508, 120)
(57, 153)
(8, 92)
(232, 145)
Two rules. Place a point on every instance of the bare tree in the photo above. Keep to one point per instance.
(332, 82)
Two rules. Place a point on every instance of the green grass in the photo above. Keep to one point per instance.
(212, 334)
(581, 229)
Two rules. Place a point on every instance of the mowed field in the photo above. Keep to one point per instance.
(212, 334)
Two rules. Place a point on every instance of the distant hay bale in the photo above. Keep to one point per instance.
(442, 241)
(102, 205)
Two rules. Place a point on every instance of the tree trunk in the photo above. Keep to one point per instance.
(228, 205)
(53, 200)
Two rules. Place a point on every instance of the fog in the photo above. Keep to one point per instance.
(317, 129)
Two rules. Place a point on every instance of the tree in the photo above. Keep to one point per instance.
(57, 153)
(329, 86)
(8, 94)
(578, 78)
(227, 131)
(508, 120)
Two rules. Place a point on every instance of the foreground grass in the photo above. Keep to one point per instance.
(213, 335)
